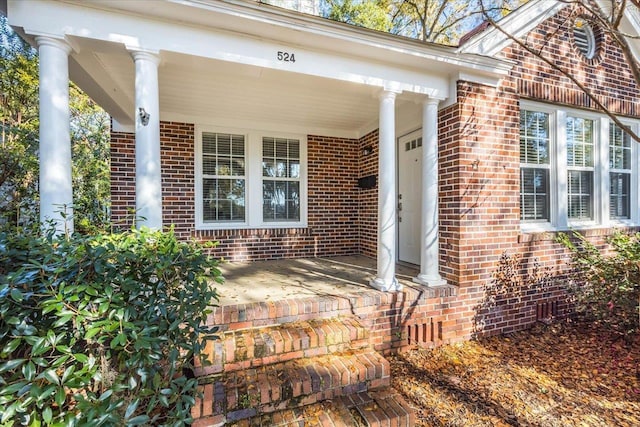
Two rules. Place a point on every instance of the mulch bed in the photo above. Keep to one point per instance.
(563, 374)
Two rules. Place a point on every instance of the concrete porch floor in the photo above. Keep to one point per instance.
(262, 281)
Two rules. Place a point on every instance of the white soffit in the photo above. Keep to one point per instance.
(519, 23)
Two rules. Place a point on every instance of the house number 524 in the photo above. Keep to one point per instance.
(286, 56)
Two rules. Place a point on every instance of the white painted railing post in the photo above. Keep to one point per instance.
(147, 115)
(387, 199)
(56, 193)
(429, 241)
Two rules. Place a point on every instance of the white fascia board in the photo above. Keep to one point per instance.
(518, 23)
(172, 25)
(140, 33)
(264, 20)
(347, 35)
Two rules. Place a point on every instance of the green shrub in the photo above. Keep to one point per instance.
(606, 286)
(101, 330)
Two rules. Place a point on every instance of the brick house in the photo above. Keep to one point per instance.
(283, 136)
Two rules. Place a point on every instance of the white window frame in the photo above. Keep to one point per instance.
(558, 216)
(596, 197)
(545, 166)
(634, 188)
(253, 180)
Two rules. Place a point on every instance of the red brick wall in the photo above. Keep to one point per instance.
(449, 130)
(177, 159)
(479, 192)
(123, 178)
(606, 75)
(368, 197)
(333, 200)
(479, 162)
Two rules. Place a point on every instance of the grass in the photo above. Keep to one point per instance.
(563, 374)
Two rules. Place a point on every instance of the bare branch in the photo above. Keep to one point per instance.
(568, 75)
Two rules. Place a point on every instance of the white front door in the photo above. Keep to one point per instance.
(409, 197)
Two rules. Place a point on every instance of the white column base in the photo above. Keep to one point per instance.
(430, 281)
(380, 285)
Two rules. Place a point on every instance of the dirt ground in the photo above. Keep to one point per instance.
(563, 374)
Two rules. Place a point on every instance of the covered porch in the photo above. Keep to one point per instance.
(244, 69)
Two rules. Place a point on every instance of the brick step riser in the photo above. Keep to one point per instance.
(258, 391)
(240, 350)
(377, 409)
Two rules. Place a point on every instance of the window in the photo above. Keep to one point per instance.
(249, 179)
(584, 38)
(619, 172)
(281, 179)
(577, 169)
(534, 166)
(580, 167)
(223, 177)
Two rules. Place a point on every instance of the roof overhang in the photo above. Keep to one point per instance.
(519, 23)
(204, 41)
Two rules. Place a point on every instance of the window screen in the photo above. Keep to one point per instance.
(580, 148)
(534, 166)
(619, 172)
(281, 179)
(223, 177)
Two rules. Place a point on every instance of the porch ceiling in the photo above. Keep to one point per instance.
(208, 91)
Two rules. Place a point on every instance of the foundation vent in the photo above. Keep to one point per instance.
(546, 310)
(428, 332)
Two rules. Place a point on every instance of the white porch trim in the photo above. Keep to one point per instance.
(147, 116)
(429, 247)
(56, 194)
(385, 279)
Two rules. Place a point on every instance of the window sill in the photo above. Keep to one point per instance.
(263, 232)
(245, 226)
(545, 232)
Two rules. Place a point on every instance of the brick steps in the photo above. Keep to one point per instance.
(251, 348)
(383, 408)
(245, 393)
(316, 372)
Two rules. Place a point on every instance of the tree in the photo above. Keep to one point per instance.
(19, 143)
(90, 138)
(437, 21)
(368, 14)
(19, 118)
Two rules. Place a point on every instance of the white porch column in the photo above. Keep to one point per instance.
(385, 279)
(429, 251)
(56, 194)
(147, 114)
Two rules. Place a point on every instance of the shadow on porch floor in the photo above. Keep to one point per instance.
(276, 280)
